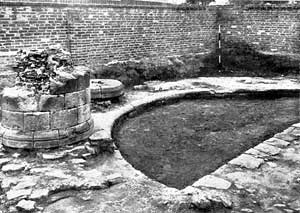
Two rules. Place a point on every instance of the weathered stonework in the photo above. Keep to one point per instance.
(47, 120)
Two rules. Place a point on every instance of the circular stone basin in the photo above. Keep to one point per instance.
(106, 88)
(178, 144)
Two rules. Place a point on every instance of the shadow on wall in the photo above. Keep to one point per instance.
(241, 59)
(238, 59)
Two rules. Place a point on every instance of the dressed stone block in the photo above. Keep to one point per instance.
(36, 121)
(13, 120)
(51, 103)
(64, 118)
(84, 113)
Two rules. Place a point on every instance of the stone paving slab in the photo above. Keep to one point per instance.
(270, 181)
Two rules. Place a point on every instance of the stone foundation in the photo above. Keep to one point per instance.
(47, 120)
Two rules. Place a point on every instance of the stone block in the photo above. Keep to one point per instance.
(83, 127)
(17, 144)
(71, 100)
(247, 161)
(18, 135)
(75, 99)
(47, 135)
(88, 95)
(13, 120)
(63, 133)
(51, 103)
(84, 113)
(100, 135)
(71, 85)
(83, 81)
(46, 144)
(212, 182)
(19, 103)
(36, 121)
(64, 118)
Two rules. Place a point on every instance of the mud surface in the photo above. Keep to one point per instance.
(177, 144)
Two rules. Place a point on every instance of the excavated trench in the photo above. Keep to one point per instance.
(179, 143)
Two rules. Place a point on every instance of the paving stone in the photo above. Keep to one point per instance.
(212, 182)
(272, 164)
(114, 179)
(37, 121)
(269, 149)
(26, 205)
(247, 161)
(291, 155)
(288, 130)
(285, 137)
(16, 155)
(99, 136)
(87, 156)
(13, 120)
(77, 161)
(289, 210)
(295, 132)
(247, 210)
(4, 161)
(27, 182)
(58, 173)
(49, 103)
(277, 142)
(296, 125)
(64, 118)
(54, 156)
(7, 182)
(257, 153)
(18, 193)
(76, 151)
(279, 205)
(39, 193)
(295, 204)
(13, 167)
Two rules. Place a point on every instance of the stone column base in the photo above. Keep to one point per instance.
(46, 138)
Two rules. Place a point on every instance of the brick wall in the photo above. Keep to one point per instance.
(98, 33)
(264, 28)
(105, 33)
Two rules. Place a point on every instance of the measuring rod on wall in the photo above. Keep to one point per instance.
(220, 50)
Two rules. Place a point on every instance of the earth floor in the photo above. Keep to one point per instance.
(179, 143)
(265, 178)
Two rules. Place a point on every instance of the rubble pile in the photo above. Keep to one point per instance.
(38, 70)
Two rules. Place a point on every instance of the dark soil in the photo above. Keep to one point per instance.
(177, 144)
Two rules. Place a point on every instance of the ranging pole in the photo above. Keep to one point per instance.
(220, 49)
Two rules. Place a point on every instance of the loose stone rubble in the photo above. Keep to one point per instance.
(264, 179)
